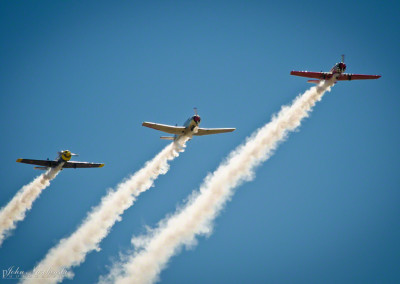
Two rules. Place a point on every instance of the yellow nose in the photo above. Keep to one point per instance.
(66, 155)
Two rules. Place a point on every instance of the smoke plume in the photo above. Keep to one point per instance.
(153, 251)
(72, 251)
(15, 210)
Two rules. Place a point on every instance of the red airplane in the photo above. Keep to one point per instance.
(338, 70)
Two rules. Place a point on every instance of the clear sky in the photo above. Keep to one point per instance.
(83, 76)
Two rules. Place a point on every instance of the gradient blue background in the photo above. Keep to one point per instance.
(84, 75)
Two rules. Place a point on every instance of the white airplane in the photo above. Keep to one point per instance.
(190, 127)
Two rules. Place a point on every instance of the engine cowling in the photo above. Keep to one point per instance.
(66, 155)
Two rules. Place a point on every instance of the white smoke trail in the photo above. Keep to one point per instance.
(15, 210)
(154, 250)
(72, 251)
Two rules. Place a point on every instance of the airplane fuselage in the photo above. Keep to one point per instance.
(192, 122)
(191, 125)
(59, 161)
(338, 68)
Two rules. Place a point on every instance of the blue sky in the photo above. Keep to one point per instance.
(84, 76)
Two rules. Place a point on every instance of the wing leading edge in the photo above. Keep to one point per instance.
(314, 75)
(349, 77)
(76, 165)
(44, 163)
(176, 130)
(209, 131)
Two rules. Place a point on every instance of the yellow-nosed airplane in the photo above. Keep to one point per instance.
(64, 157)
(190, 127)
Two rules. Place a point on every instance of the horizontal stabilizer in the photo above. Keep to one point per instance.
(41, 168)
(167, 137)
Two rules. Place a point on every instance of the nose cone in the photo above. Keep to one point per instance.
(197, 119)
(66, 155)
(342, 66)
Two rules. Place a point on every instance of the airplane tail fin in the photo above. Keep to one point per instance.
(168, 137)
(41, 168)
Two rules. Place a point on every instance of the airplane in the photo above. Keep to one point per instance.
(64, 157)
(190, 127)
(337, 70)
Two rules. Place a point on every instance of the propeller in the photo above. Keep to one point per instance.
(195, 110)
(342, 58)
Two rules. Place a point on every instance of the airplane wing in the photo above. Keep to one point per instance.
(75, 165)
(315, 75)
(348, 77)
(44, 163)
(208, 131)
(176, 130)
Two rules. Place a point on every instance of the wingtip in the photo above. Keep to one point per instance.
(19, 160)
(101, 165)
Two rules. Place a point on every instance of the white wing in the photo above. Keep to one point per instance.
(208, 131)
(176, 130)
